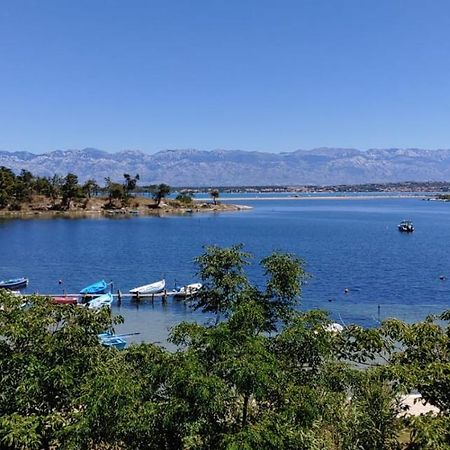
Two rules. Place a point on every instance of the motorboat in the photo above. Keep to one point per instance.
(189, 290)
(406, 226)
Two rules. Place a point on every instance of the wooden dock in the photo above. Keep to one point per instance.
(119, 296)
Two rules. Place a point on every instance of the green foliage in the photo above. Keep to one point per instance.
(221, 271)
(129, 185)
(232, 385)
(184, 198)
(115, 192)
(70, 190)
(214, 193)
(159, 192)
(90, 188)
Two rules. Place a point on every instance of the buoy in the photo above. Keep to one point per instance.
(346, 291)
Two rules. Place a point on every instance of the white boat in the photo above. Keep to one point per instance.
(103, 301)
(189, 290)
(152, 288)
(334, 328)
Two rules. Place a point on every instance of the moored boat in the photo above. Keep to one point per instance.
(14, 283)
(152, 288)
(188, 291)
(406, 226)
(96, 288)
(103, 301)
(112, 340)
(64, 299)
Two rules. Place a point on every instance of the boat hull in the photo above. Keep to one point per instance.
(103, 301)
(111, 340)
(153, 288)
(65, 300)
(95, 289)
(16, 283)
(188, 291)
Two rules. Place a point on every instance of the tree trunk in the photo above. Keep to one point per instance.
(245, 411)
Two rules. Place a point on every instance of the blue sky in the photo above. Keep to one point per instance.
(233, 74)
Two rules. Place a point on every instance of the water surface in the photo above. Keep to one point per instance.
(347, 244)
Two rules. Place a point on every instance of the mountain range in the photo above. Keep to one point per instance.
(320, 166)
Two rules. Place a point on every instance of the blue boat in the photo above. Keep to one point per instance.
(103, 301)
(95, 289)
(15, 283)
(111, 340)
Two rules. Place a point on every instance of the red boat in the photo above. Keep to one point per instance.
(65, 300)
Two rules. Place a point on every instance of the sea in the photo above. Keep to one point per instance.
(361, 268)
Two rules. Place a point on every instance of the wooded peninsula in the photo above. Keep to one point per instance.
(29, 195)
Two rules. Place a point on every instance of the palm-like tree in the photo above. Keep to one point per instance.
(214, 193)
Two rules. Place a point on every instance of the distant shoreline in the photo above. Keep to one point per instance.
(323, 197)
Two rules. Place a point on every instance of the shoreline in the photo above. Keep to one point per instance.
(124, 213)
(325, 197)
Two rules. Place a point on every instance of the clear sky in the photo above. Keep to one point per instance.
(233, 74)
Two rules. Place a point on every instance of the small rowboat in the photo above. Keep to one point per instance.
(15, 283)
(112, 340)
(95, 288)
(189, 290)
(104, 301)
(152, 288)
(65, 300)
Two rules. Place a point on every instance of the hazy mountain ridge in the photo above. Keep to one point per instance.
(238, 167)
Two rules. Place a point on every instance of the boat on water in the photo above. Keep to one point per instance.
(96, 288)
(152, 288)
(188, 291)
(64, 299)
(406, 226)
(103, 301)
(14, 283)
(112, 340)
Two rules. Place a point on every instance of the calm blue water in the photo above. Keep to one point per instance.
(350, 244)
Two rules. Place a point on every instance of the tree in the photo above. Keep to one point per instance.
(7, 184)
(130, 183)
(90, 188)
(159, 192)
(70, 190)
(214, 193)
(184, 198)
(222, 273)
(45, 354)
(114, 190)
(54, 186)
(229, 385)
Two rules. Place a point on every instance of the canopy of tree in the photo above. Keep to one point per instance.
(263, 376)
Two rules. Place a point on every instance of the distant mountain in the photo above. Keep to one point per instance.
(236, 167)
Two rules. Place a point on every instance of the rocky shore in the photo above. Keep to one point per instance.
(98, 207)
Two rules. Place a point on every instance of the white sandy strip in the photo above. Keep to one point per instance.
(416, 406)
